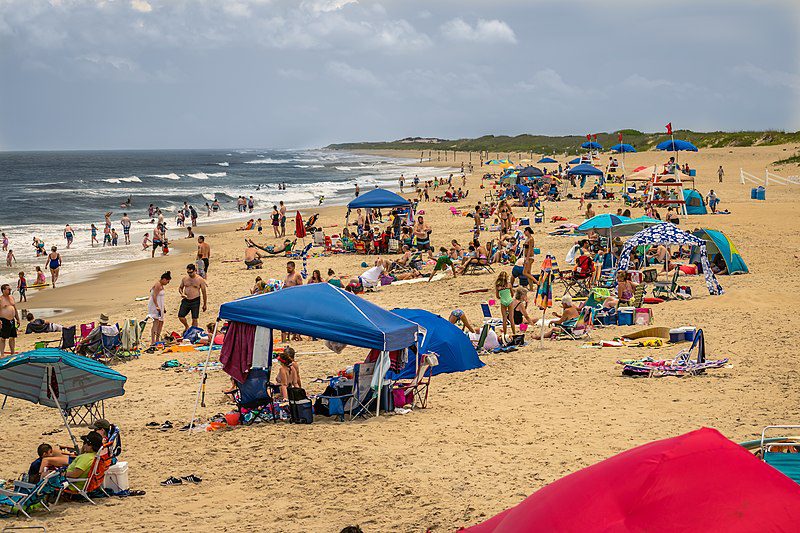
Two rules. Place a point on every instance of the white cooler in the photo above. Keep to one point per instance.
(116, 479)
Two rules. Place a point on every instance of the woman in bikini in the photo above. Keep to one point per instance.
(528, 249)
(518, 310)
(54, 262)
(288, 373)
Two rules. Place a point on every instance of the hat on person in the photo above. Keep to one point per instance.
(100, 423)
(93, 439)
(103, 318)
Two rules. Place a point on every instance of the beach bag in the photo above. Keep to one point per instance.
(403, 397)
(584, 266)
(193, 334)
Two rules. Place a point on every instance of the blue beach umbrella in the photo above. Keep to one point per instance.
(547, 160)
(585, 170)
(676, 146)
(531, 172)
(604, 221)
(635, 225)
(575, 161)
(59, 379)
(623, 148)
(591, 145)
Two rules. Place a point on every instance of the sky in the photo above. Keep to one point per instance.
(138, 74)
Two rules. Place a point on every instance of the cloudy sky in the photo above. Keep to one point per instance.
(274, 73)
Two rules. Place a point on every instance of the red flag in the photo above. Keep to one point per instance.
(619, 136)
(669, 128)
(588, 136)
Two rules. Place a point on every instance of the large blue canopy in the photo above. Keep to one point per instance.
(623, 148)
(547, 160)
(326, 312)
(585, 170)
(455, 350)
(75, 380)
(378, 198)
(531, 172)
(676, 146)
(591, 145)
(604, 221)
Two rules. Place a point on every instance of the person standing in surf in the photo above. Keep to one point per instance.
(54, 263)
(358, 189)
(126, 227)
(94, 235)
(69, 235)
(282, 211)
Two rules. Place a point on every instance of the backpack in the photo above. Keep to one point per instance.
(584, 266)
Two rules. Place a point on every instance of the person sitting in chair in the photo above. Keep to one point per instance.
(568, 317)
(288, 373)
(81, 466)
(112, 441)
(93, 342)
(49, 459)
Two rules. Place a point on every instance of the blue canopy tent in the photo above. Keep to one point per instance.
(667, 234)
(378, 198)
(455, 350)
(323, 311)
(584, 170)
(695, 204)
(60, 379)
(719, 243)
(591, 145)
(547, 160)
(576, 161)
(623, 148)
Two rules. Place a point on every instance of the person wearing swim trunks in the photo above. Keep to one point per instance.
(203, 253)
(155, 306)
(422, 233)
(54, 262)
(69, 235)
(9, 319)
(126, 227)
(191, 289)
(443, 262)
(157, 240)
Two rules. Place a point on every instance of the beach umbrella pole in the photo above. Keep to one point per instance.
(201, 389)
(61, 411)
(541, 333)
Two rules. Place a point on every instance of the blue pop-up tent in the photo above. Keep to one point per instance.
(695, 205)
(323, 311)
(378, 198)
(455, 350)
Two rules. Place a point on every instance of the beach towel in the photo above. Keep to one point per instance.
(237, 351)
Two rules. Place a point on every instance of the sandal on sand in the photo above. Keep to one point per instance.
(136, 493)
(166, 425)
(152, 424)
(172, 480)
(191, 478)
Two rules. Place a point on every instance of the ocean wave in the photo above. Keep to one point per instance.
(170, 176)
(223, 164)
(267, 161)
(217, 174)
(302, 160)
(344, 169)
(309, 166)
(129, 179)
(199, 176)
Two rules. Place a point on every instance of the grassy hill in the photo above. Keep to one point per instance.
(544, 144)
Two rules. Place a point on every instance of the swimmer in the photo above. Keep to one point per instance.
(69, 235)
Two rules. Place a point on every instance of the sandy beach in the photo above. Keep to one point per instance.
(489, 437)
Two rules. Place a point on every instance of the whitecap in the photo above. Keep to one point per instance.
(223, 164)
(112, 180)
(267, 161)
(343, 168)
(217, 174)
(199, 176)
(170, 176)
(131, 179)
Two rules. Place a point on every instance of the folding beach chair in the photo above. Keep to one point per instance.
(360, 247)
(482, 338)
(363, 395)
(668, 290)
(110, 344)
(26, 495)
(579, 330)
(478, 267)
(488, 319)
(394, 246)
(333, 401)
(88, 485)
(782, 454)
(131, 336)
(415, 392)
(86, 329)
(84, 415)
(254, 397)
(67, 340)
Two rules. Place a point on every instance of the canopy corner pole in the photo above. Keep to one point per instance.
(58, 406)
(384, 354)
(201, 389)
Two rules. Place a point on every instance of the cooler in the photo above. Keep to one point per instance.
(689, 333)
(116, 478)
(754, 193)
(643, 316)
(761, 193)
(692, 172)
(677, 335)
(625, 316)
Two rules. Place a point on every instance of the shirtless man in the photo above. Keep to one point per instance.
(293, 278)
(203, 252)
(158, 239)
(9, 319)
(192, 287)
(252, 259)
(125, 221)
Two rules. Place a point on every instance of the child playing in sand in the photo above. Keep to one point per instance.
(22, 287)
(260, 226)
(502, 289)
(10, 258)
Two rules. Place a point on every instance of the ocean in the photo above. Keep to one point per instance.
(43, 191)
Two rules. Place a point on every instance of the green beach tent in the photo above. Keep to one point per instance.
(719, 243)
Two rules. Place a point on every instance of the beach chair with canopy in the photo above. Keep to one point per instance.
(782, 454)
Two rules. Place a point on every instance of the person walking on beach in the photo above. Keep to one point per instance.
(203, 253)
(125, 221)
(276, 220)
(282, 211)
(191, 289)
(713, 200)
(69, 235)
(9, 319)
(720, 173)
(155, 306)
(54, 262)
(94, 235)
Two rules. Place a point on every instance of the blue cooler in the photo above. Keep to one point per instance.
(754, 194)
(761, 193)
(625, 316)
(524, 222)
(689, 333)
(608, 319)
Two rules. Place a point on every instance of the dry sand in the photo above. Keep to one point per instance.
(489, 438)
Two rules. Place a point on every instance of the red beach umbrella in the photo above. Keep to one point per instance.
(299, 227)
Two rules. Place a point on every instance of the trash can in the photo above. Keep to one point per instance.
(761, 193)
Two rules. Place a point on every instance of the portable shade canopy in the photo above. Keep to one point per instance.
(378, 198)
(695, 204)
(547, 160)
(717, 485)
(719, 243)
(591, 145)
(60, 379)
(585, 170)
(676, 145)
(531, 172)
(455, 350)
(575, 161)
(667, 234)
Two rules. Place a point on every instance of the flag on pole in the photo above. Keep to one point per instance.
(619, 136)
(544, 291)
(669, 128)
(595, 137)
(588, 136)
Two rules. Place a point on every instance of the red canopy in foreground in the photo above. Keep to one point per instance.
(700, 481)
